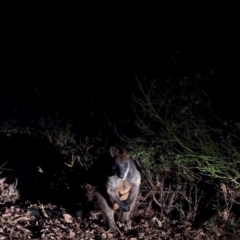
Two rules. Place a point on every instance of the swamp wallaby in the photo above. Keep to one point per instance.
(113, 183)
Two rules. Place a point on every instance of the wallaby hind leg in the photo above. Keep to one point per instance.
(107, 212)
(108, 218)
(124, 216)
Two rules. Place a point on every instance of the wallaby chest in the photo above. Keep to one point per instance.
(119, 186)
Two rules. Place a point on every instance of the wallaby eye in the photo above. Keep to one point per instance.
(125, 164)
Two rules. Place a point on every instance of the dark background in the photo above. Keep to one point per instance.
(55, 60)
(81, 68)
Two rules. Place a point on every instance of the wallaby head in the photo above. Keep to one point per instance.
(120, 163)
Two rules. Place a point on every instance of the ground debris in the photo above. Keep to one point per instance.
(18, 224)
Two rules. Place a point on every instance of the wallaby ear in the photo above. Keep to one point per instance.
(114, 151)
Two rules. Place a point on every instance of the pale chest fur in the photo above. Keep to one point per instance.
(121, 187)
(118, 185)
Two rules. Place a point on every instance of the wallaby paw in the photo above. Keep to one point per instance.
(126, 208)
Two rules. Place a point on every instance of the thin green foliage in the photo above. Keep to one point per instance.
(187, 152)
(174, 130)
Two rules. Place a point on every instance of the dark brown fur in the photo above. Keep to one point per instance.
(113, 184)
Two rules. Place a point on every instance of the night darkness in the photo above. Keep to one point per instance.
(51, 62)
(84, 71)
(83, 74)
